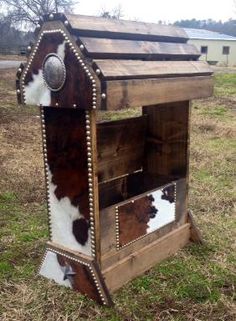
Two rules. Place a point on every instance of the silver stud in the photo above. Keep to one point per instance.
(29, 48)
(74, 105)
(81, 47)
(94, 106)
(57, 104)
(98, 71)
(38, 26)
(20, 70)
(18, 91)
(51, 16)
(66, 22)
(104, 96)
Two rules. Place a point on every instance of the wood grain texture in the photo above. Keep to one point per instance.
(195, 233)
(145, 258)
(138, 69)
(142, 92)
(130, 49)
(112, 28)
(120, 147)
(123, 188)
(166, 150)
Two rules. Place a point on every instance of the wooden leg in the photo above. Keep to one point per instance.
(195, 234)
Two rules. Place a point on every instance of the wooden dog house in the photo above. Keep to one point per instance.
(117, 191)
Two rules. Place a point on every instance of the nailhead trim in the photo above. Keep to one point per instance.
(118, 246)
(90, 182)
(46, 170)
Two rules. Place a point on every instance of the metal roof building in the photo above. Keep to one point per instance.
(216, 48)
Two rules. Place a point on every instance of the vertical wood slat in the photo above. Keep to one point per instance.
(93, 129)
(166, 152)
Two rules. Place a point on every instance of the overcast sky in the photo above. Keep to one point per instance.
(166, 10)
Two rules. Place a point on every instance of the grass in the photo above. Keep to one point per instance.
(197, 284)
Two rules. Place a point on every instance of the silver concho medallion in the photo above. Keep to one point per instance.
(54, 72)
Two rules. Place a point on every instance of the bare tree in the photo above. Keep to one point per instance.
(115, 13)
(30, 11)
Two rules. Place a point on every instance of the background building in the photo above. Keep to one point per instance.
(216, 48)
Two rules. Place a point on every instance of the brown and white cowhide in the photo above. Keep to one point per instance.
(77, 88)
(68, 178)
(146, 215)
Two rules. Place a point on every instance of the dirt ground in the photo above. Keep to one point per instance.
(196, 284)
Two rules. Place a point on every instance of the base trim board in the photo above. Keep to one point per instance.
(142, 260)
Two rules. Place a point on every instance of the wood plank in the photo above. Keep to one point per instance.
(195, 233)
(168, 125)
(122, 188)
(130, 49)
(134, 93)
(145, 258)
(138, 69)
(120, 147)
(123, 29)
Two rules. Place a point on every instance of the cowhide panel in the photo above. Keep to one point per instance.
(144, 215)
(77, 89)
(72, 273)
(67, 172)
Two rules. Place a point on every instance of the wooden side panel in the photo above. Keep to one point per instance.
(130, 49)
(128, 69)
(108, 224)
(123, 29)
(167, 139)
(135, 93)
(145, 258)
(120, 147)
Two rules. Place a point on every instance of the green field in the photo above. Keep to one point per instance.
(197, 284)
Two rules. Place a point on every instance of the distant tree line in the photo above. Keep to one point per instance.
(13, 40)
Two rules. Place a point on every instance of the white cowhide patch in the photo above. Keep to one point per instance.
(62, 214)
(52, 270)
(165, 214)
(36, 91)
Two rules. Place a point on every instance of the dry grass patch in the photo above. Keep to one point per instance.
(197, 284)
